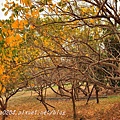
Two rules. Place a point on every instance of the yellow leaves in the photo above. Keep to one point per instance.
(92, 21)
(10, 32)
(16, 59)
(26, 2)
(1, 24)
(32, 27)
(68, 39)
(13, 40)
(87, 10)
(36, 42)
(6, 5)
(19, 24)
(17, 37)
(27, 15)
(22, 24)
(84, 10)
(7, 31)
(64, 0)
(35, 13)
(54, 5)
(4, 80)
(1, 38)
(4, 30)
(46, 41)
(25, 36)
(7, 58)
(2, 88)
(15, 24)
(1, 69)
(9, 39)
(6, 13)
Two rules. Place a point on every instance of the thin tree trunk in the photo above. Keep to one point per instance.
(74, 106)
(3, 109)
(4, 116)
(87, 85)
(90, 94)
(97, 91)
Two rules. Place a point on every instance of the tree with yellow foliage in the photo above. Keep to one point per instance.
(62, 43)
(11, 78)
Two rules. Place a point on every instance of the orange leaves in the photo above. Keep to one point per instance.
(1, 38)
(19, 24)
(26, 2)
(27, 15)
(36, 42)
(6, 5)
(32, 14)
(7, 32)
(7, 58)
(15, 24)
(1, 24)
(88, 10)
(32, 27)
(10, 32)
(2, 88)
(16, 60)
(4, 30)
(1, 69)
(9, 39)
(84, 10)
(13, 40)
(24, 22)
(4, 80)
(35, 13)
(92, 21)
(17, 37)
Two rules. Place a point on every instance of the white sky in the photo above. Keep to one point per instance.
(2, 16)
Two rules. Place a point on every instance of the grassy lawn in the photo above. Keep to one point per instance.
(25, 107)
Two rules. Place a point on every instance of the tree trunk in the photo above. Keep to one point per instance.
(4, 117)
(74, 106)
(97, 90)
(90, 94)
(87, 85)
(4, 109)
(5, 113)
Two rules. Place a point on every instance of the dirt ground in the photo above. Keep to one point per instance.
(25, 107)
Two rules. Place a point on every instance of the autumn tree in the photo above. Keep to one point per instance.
(64, 42)
(12, 78)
